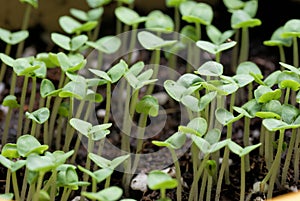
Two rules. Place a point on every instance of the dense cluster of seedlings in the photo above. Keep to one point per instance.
(64, 107)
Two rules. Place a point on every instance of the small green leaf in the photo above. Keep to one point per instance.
(47, 88)
(175, 141)
(27, 144)
(159, 22)
(241, 19)
(39, 163)
(148, 105)
(265, 94)
(106, 44)
(291, 28)
(278, 40)
(234, 4)
(13, 38)
(108, 194)
(174, 3)
(7, 196)
(188, 34)
(81, 126)
(151, 42)
(197, 126)
(70, 25)
(274, 124)
(7, 59)
(289, 113)
(225, 117)
(160, 180)
(10, 101)
(91, 15)
(211, 68)
(213, 136)
(128, 16)
(40, 116)
(192, 12)
(74, 89)
(10, 151)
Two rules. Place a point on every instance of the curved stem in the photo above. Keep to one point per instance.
(274, 168)
(288, 157)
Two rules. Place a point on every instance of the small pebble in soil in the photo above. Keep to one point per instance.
(101, 113)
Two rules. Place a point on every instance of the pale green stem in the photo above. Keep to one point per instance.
(118, 23)
(196, 178)
(295, 52)
(108, 103)
(13, 83)
(209, 187)
(243, 178)
(246, 141)
(47, 140)
(3, 65)
(88, 162)
(287, 95)
(203, 186)
(7, 185)
(178, 174)
(100, 59)
(38, 187)
(33, 127)
(24, 185)
(53, 185)
(262, 140)
(58, 132)
(22, 104)
(282, 56)
(177, 19)
(68, 137)
(297, 156)
(288, 157)
(244, 51)
(132, 42)
(107, 182)
(273, 172)
(31, 102)
(15, 186)
(224, 166)
(155, 70)
(235, 52)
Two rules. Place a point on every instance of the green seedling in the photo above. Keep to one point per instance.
(68, 179)
(91, 15)
(250, 68)
(234, 4)
(147, 106)
(8, 154)
(280, 42)
(152, 42)
(208, 145)
(107, 45)
(97, 176)
(290, 81)
(113, 75)
(67, 43)
(72, 26)
(185, 85)
(175, 4)
(249, 110)
(39, 116)
(291, 30)
(159, 22)
(241, 19)
(289, 120)
(188, 37)
(130, 4)
(47, 90)
(242, 152)
(68, 63)
(133, 19)
(93, 133)
(27, 144)
(11, 102)
(109, 194)
(10, 39)
(176, 141)
(226, 118)
(197, 126)
(107, 164)
(158, 180)
(198, 13)
(264, 94)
